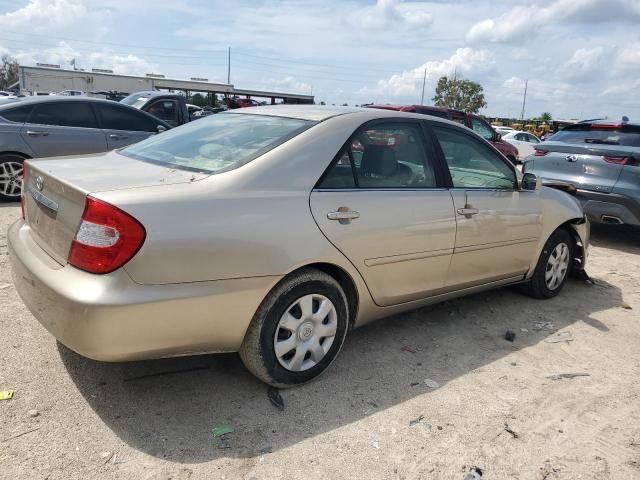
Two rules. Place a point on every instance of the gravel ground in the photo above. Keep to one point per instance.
(376, 414)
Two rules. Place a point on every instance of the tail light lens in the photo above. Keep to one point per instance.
(23, 192)
(540, 153)
(616, 160)
(106, 239)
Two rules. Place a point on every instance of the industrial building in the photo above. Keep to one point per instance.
(44, 79)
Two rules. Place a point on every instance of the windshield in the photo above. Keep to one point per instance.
(599, 136)
(217, 143)
(136, 101)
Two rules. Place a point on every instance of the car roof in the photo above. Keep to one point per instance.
(52, 98)
(422, 107)
(319, 113)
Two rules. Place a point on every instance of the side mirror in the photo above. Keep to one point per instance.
(161, 128)
(531, 182)
(497, 137)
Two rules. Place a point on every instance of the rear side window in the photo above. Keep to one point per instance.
(601, 136)
(217, 143)
(114, 117)
(64, 114)
(17, 114)
(481, 128)
(166, 110)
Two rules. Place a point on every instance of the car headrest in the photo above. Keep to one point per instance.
(379, 160)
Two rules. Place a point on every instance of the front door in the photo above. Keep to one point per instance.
(63, 128)
(498, 226)
(382, 205)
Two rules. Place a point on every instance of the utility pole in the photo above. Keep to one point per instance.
(524, 100)
(229, 68)
(424, 81)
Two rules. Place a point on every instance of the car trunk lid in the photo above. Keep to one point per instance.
(590, 166)
(55, 192)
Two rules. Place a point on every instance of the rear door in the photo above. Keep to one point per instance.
(383, 205)
(123, 126)
(58, 128)
(498, 226)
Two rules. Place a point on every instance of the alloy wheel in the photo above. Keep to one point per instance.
(11, 179)
(557, 266)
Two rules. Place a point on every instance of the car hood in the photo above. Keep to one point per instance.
(112, 171)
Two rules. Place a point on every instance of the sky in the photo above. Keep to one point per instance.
(581, 57)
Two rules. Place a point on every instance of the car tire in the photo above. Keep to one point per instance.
(553, 267)
(284, 345)
(10, 165)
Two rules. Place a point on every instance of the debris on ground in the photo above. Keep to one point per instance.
(508, 429)
(510, 335)
(414, 384)
(626, 306)
(20, 434)
(4, 286)
(416, 421)
(6, 394)
(524, 330)
(474, 474)
(543, 326)
(275, 398)
(33, 413)
(221, 430)
(560, 337)
(408, 348)
(375, 444)
(106, 456)
(560, 376)
(224, 443)
(431, 383)
(265, 450)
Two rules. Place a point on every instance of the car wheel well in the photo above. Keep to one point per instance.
(345, 281)
(578, 248)
(19, 154)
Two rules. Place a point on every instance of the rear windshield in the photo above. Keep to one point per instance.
(136, 101)
(599, 136)
(217, 143)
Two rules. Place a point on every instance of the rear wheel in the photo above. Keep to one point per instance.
(553, 268)
(10, 177)
(297, 331)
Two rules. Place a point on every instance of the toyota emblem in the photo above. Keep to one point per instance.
(39, 182)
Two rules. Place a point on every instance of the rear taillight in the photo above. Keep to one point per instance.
(23, 191)
(106, 239)
(617, 160)
(540, 153)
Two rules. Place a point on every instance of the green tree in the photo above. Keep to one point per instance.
(8, 71)
(546, 117)
(198, 99)
(459, 94)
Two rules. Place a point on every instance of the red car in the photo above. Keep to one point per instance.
(474, 122)
(238, 102)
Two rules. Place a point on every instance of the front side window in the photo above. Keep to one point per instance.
(17, 114)
(217, 143)
(114, 117)
(471, 163)
(533, 139)
(482, 129)
(64, 114)
(384, 156)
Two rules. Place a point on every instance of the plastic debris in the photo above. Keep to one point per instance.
(543, 326)
(560, 376)
(275, 398)
(508, 429)
(33, 413)
(6, 394)
(524, 330)
(221, 430)
(560, 337)
(5, 286)
(431, 383)
(416, 421)
(265, 450)
(474, 474)
(626, 306)
(408, 348)
(510, 335)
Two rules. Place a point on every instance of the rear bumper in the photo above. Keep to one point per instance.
(111, 318)
(606, 207)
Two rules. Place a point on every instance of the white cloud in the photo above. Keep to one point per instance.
(463, 61)
(290, 84)
(583, 63)
(521, 20)
(393, 12)
(627, 61)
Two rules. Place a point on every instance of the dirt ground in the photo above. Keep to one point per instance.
(372, 415)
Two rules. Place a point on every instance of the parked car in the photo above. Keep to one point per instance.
(237, 102)
(470, 120)
(168, 107)
(502, 130)
(523, 141)
(602, 159)
(52, 126)
(72, 93)
(246, 231)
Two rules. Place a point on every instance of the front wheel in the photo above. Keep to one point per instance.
(11, 177)
(553, 268)
(297, 331)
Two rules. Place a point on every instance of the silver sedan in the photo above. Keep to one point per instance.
(273, 231)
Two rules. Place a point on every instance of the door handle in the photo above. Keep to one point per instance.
(37, 133)
(468, 211)
(118, 137)
(343, 215)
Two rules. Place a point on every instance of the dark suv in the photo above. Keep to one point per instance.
(470, 120)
